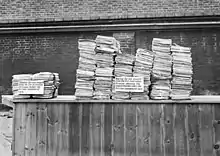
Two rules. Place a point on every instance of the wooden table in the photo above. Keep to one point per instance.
(64, 126)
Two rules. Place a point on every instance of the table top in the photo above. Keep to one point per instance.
(8, 100)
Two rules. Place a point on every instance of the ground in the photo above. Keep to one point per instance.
(5, 131)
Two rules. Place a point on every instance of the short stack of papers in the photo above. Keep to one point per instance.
(162, 68)
(106, 49)
(123, 68)
(142, 68)
(182, 72)
(86, 69)
(50, 81)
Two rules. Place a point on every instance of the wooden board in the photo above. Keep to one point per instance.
(143, 130)
(180, 130)
(119, 135)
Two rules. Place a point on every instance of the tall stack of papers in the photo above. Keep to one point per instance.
(182, 72)
(162, 68)
(86, 69)
(142, 68)
(123, 68)
(106, 49)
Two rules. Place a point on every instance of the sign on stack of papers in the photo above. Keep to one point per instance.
(142, 68)
(182, 72)
(162, 68)
(15, 85)
(106, 49)
(86, 69)
(123, 68)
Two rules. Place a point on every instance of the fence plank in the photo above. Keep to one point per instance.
(118, 124)
(31, 124)
(193, 125)
(217, 129)
(41, 129)
(130, 129)
(143, 130)
(74, 130)
(62, 135)
(96, 126)
(156, 142)
(85, 143)
(206, 129)
(52, 125)
(180, 131)
(108, 130)
(20, 128)
(169, 130)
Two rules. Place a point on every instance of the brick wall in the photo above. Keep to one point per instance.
(55, 10)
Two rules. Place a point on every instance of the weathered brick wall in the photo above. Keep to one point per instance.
(50, 10)
(127, 41)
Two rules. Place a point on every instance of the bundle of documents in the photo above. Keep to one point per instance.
(50, 81)
(182, 72)
(162, 68)
(107, 44)
(85, 74)
(142, 68)
(119, 95)
(124, 65)
(160, 90)
(84, 84)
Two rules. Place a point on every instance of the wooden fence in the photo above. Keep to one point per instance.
(116, 129)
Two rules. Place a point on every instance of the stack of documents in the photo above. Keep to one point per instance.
(85, 74)
(182, 72)
(162, 68)
(142, 68)
(123, 68)
(50, 82)
(106, 50)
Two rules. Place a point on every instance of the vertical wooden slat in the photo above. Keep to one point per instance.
(102, 129)
(168, 130)
(74, 129)
(96, 129)
(90, 131)
(156, 144)
(180, 130)
(206, 129)
(20, 123)
(30, 135)
(41, 129)
(217, 129)
(80, 128)
(118, 124)
(108, 130)
(52, 127)
(130, 129)
(62, 135)
(85, 144)
(193, 127)
(143, 130)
